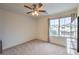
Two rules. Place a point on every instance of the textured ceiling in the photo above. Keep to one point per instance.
(51, 8)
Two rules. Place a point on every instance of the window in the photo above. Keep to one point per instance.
(60, 27)
(65, 27)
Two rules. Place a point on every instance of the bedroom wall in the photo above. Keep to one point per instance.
(16, 28)
(42, 28)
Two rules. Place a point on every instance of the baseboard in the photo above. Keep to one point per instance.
(54, 43)
(58, 44)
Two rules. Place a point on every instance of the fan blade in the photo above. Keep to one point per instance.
(34, 5)
(29, 12)
(40, 5)
(27, 7)
(42, 11)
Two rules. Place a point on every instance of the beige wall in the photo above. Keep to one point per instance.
(42, 28)
(16, 28)
(78, 11)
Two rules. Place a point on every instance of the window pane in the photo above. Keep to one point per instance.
(62, 27)
(65, 26)
(54, 22)
(53, 31)
(74, 28)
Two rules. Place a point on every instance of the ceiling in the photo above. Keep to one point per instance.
(51, 8)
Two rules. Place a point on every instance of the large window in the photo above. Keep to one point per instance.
(64, 27)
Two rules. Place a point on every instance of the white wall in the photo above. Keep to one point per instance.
(16, 28)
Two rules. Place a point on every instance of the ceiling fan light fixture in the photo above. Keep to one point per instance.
(35, 13)
(36, 9)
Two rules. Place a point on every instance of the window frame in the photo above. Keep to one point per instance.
(58, 24)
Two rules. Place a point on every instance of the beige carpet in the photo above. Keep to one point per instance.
(36, 47)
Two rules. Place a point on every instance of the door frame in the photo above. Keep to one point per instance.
(78, 34)
(48, 29)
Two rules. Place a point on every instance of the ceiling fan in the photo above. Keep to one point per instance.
(36, 8)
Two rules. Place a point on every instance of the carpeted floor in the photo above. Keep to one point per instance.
(35, 47)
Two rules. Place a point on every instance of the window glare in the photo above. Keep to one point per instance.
(54, 22)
